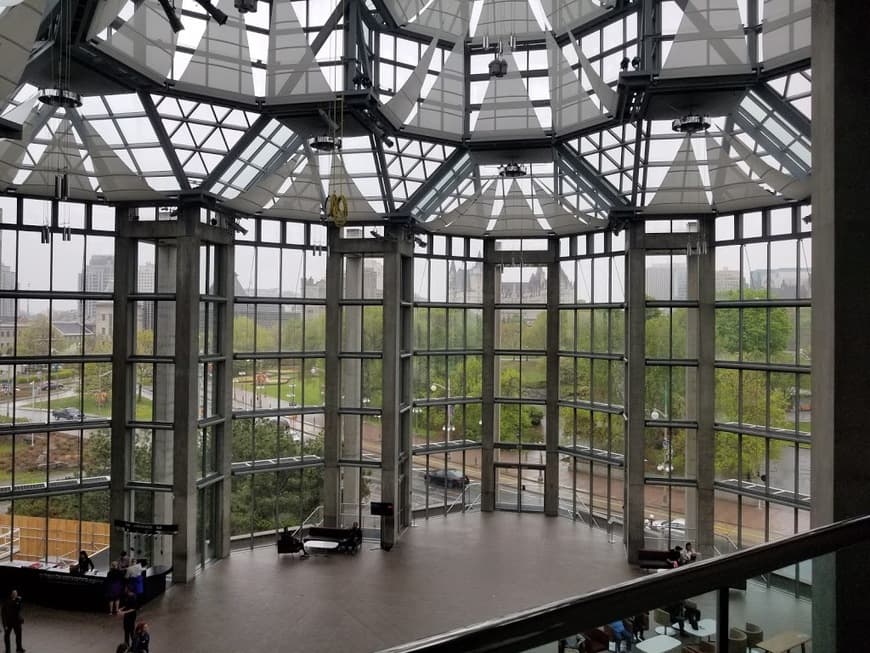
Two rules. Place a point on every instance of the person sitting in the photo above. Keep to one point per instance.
(639, 624)
(354, 540)
(688, 554)
(674, 555)
(288, 543)
(621, 634)
(682, 611)
(572, 642)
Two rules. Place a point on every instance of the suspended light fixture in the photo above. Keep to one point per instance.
(325, 143)
(690, 124)
(498, 66)
(244, 6)
(512, 170)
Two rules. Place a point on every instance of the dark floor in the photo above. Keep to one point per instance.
(445, 573)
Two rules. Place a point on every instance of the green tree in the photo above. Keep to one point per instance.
(34, 337)
(754, 330)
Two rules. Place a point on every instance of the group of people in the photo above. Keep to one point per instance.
(124, 587)
(679, 556)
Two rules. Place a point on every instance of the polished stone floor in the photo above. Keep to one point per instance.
(445, 573)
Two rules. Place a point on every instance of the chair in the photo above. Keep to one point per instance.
(663, 618)
(754, 634)
(736, 641)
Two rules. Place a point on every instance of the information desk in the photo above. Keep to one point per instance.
(56, 587)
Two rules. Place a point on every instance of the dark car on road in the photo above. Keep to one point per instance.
(51, 385)
(67, 413)
(448, 477)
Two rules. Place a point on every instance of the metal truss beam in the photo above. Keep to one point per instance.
(435, 181)
(164, 140)
(784, 108)
(586, 177)
(774, 148)
(236, 150)
(383, 176)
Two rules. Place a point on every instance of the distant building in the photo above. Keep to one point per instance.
(99, 276)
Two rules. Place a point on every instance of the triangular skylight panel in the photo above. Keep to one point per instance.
(786, 185)
(472, 216)
(18, 27)
(709, 40)
(144, 41)
(501, 18)
(785, 31)
(399, 107)
(432, 16)
(682, 189)
(733, 189)
(32, 116)
(506, 110)
(117, 181)
(571, 104)
(564, 15)
(222, 62)
(105, 13)
(292, 67)
(443, 109)
(61, 156)
(303, 197)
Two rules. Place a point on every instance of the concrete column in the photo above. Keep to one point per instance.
(392, 394)
(123, 330)
(163, 388)
(225, 272)
(487, 409)
(701, 384)
(332, 395)
(353, 276)
(841, 312)
(551, 475)
(184, 554)
(635, 379)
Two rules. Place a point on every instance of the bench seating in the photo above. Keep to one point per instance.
(288, 543)
(343, 537)
(654, 559)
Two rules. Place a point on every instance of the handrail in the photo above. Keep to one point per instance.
(461, 498)
(299, 529)
(538, 626)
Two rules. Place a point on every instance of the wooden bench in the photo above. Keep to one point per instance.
(654, 559)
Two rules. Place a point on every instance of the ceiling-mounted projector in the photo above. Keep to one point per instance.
(690, 124)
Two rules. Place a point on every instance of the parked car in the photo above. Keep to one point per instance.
(448, 477)
(675, 526)
(51, 385)
(67, 413)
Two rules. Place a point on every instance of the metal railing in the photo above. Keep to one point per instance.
(315, 518)
(461, 499)
(539, 626)
(10, 541)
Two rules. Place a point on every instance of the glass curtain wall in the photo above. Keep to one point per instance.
(447, 374)
(520, 363)
(592, 377)
(763, 358)
(671, 385)
(279, 342)
(361, 384)
(56, 315)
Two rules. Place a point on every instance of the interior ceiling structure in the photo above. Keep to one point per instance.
(574, 129)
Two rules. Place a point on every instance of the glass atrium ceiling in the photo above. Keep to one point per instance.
(574, 129)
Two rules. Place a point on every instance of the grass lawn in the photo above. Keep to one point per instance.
(143, 407)
(289, 391)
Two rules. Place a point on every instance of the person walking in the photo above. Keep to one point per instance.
(129, 610)
(12, 620)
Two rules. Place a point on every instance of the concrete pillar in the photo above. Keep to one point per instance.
(551, 474)
(186, 414)
(124, 325)
(353, 276)
(701, 384)
(635, 380)
(223, 376)
(392, 383)
(487, 409)
(332, 385)
(841, 312)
